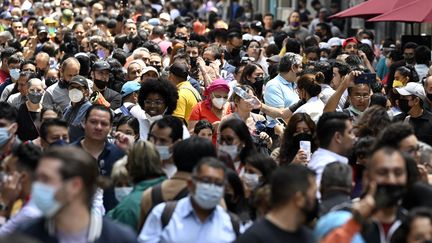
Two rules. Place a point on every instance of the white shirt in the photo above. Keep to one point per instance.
(314, 108)
(26, 214)
(320, 159)
(7, 90)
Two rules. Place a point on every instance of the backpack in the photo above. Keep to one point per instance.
(194, 92)
(171, 205)
(124, 111)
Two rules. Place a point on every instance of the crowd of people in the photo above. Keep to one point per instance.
(205, 121)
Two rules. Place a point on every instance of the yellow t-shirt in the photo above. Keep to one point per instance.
(187, 100)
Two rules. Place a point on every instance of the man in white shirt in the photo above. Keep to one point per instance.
(336, 138)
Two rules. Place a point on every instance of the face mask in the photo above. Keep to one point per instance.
(235, 51)
(388, 195)
(154, 118)
(300, 137)
(40, 73)
(164, 152)
(100, 84)
(207, 196)
(193, 61)
(181, 37)
(355, 110)
(59, 142)
(323, 59)
(397, 83)
(218, 102)
(429, 96)
(251, 180)
(14, 73)
(76, 95)
(50, 81)
(207, 62)
(35, 97)
(122, 192)
(295, 24)
(404, 106)
(231, 150)
(270, 40)
(63, 84)
(43, 196)
(310, 212)
(4, 136)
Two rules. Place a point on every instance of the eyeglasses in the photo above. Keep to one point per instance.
(209, 180)
(154, 102)
(361, 97)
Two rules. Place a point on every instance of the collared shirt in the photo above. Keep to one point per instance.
(106, 160)
(280, 93)
(186, 101)
(56, 96)
(423, 127)
(321, 158)
(74, 115)
(128, 211)
(314, 108)
(185, 226)
(16, 100)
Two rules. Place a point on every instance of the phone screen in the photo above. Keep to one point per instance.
(365, 78)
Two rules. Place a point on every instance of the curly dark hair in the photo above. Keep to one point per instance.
(373, 120)
(163, 87)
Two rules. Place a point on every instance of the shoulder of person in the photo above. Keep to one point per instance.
(115, 232)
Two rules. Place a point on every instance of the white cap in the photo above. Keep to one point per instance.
(324, 45)
(334, 41)
(165, 16)
(150, 68)
(412, 88)
(366, 41)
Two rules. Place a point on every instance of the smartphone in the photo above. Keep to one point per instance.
(281, 121)
(365, 78)
(306, 146)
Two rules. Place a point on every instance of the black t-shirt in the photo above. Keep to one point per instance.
(265, 231)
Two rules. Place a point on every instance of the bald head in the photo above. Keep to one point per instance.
(42, 62)
(428, 87)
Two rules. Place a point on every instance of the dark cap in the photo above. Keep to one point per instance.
(80, 80)
(100, 65)
(179, 69)
(42, 29)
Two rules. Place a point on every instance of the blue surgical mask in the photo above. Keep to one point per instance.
(59, 142)
(207, 195)
(122, 192)
(43, 196)
(14, 73)
(4, 136)
(163, 152)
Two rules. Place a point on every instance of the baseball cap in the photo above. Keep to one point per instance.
(130, 87)
(412, 88)
(154, 21)
(100, 65)
(42, 29)
(324, 45)
(179, 69)
(165, 16)
(334, 41)
(348, 40)
(274, 59)
(150, 68)
(80, 80)
(6, 15)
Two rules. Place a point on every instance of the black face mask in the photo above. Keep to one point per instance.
(258, 85)
(429, 96)
(310, 212)
(235, 51)
(50, 81)
(193, 61)
(181, 37)
(404, 106)
(300, 137)
(388, 195)
(207, 62)
(230, 202)
(100, 84)
(63, 84)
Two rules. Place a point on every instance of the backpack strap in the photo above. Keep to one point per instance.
(167, 213)
(235, 221)
(183, 193)
(156, 194)
(194, 92)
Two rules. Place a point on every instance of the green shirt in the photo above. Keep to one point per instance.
(128, 211)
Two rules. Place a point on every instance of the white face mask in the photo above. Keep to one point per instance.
(218, 102)
(232, 150)
(251, 180)
(206, 195)
(163, 152)
(14, 73)
(76, 95)
(121, 192)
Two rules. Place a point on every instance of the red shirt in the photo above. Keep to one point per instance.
(202, 112)
(3, 76)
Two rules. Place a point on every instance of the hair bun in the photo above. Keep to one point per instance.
(319, 77)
